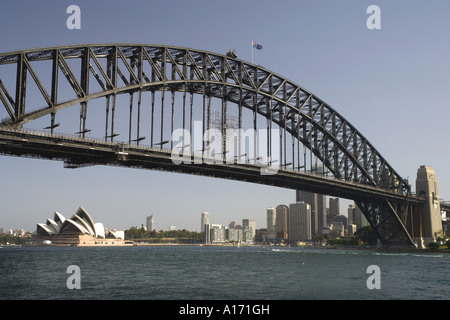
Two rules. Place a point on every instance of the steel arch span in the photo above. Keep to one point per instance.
(312, 135)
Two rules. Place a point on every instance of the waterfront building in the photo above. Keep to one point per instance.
(248, 235)
(214, 233)
(351, 229)
(281, 222)
(79, 230)
(356, 217)
(338, 220)
(299, 222)
(271, 223)
(150, 223)
(249, 227)
(204, 221)
(262, 236)
(338, 229)
(234, 234)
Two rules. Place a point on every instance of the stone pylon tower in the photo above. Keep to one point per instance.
(429, 215)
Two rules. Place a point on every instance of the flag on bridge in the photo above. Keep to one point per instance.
(257, 46)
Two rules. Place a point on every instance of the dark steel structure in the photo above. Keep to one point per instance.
(174, 87)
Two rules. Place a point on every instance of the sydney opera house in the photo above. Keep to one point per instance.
(79, 230)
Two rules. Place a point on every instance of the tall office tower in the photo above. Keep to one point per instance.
(351, 219)
(281, 222)
(250, 223)
(318, 203)
(334, 206)
(205, 220)
(232, 225)
(321, 212)
(317, 219)
(299, 222)
(356, 217)
(271, 223)
(150, 223)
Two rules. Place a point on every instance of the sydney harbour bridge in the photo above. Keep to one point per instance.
(120, 104)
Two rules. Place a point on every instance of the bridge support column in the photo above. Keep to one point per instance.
(391, 222)
(428, 221)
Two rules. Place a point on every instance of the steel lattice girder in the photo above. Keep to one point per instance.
(337, 143)
(391, 220)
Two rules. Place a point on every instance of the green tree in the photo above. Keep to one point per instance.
(366, 235)
(433, 245)
(135, 233)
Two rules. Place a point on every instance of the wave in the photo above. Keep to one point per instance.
(410, 254)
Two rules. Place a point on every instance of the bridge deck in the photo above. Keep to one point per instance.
(79, 152)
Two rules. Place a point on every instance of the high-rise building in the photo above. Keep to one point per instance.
(249, 227)
(350, 214)
(150, 223)
(334, 206)
(311, 199)
(321, 212)
(235, 233)
(299, 222)
(204, 220)
(233, 225)
(356, 217)
(271, 223)
(214, 233)
(281, 222)
(318, 203)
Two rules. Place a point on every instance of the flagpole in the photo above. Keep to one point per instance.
(252, 51)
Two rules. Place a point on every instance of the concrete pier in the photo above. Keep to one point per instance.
(428, 218)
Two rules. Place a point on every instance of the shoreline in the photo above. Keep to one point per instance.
(346, 248)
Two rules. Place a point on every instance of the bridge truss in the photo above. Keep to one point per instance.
(151, 90)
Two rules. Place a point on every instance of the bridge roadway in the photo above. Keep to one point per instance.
(78, 152)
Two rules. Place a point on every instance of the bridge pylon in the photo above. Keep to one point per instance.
(427, 217)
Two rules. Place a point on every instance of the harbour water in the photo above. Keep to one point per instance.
(220, 273)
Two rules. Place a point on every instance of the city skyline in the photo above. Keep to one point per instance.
(390, 83)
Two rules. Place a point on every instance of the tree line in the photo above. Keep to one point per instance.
(9, 239)
(140, 233)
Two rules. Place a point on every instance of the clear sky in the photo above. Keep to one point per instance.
(390, 83)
